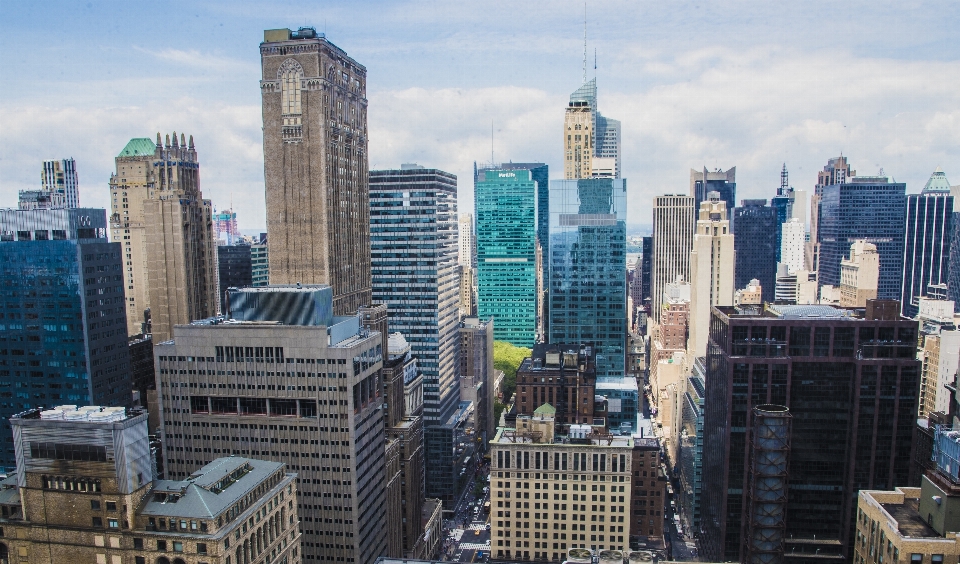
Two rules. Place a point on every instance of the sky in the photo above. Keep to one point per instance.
(695, 84)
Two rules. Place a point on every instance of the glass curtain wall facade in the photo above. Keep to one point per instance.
(587, 268)
(414, 251)
(928, 230)
(756, 246)
(870, 208)
(234, 269)
(691, 446)
(506, 209)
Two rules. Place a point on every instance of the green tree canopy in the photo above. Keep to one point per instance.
(507, 357)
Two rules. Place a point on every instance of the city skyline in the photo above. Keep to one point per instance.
(444, 88)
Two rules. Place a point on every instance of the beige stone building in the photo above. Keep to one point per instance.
(316, 165)
(711, 270)
(86, 492)
(674, 223)
(670, 336)
(578, 140)
(159, 216)
(751, 295)
(859, 275)
(939, 351)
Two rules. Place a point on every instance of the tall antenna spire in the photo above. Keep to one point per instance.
(584, 42)
(784, 180)
(491, 143)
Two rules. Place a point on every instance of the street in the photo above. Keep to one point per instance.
(467, 534)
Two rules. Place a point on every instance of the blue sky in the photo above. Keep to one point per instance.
(715, 84)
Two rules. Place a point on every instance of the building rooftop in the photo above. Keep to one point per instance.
(139, 147)
(909, 522)
(79, 414)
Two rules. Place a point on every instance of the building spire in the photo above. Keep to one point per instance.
(784, 180)
(584, 42)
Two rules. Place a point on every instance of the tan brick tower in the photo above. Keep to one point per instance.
(315, 165)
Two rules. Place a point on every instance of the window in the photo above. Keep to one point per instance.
(111, 506)
(161, 545)
(289, 74)
(113, 523)
(201, 548)
(97, 522)
(177, 546)
(95, 504)
(138, 543)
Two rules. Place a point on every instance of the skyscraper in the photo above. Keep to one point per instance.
(711, 270)
(64, 335)
(702, 183)
(587, 268)
(756, 245)
(465, 233)
(225, 227)
(591, 141)
(792, 244)
(869, 208)
(783, 203)
(926, 252)
(61, 177)
(837, 171)
(859, 275)
(166, 229)
(234, 269)
(413, 238)
(315, 165)
(506, 211)
(674, 222)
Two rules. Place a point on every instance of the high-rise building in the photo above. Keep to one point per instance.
(143, 376)
(306, 391)
(869, 208)
(824, 364)
(836, 172)
(796, 287)
(929, 228)
(587, 268)
(702, 183)
(467, 303)
(476, 373)
(670, 335)
(467, 256)
(234, 269)
(674, 222)
(579, 132)
(64, 335)
(95, 466)
(691, 446)
(756, 245)
(711, 270)
(413, 248)
(953, 284)
(315, 165)
(561, 375)
(225, 227)
(165, 226)
(646, 267)
(859, 275)
(792, 243)
(60, 177)
(260, 262)
(506, 211)
(939, 350)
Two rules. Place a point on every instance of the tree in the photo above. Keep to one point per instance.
(507, 357)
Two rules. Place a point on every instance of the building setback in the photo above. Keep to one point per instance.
(86, 492)
(63, 336)
(926, 252)
(850, 380)
(315, 165)
(757, 246)
(306, 392)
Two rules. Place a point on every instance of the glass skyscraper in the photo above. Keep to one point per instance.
(929, 227)
(63, 327)
(756, 246)
(865, 207)
(587, 268)
(506, 209)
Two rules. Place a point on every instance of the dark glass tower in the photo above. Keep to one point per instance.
(865, 207)
(702, 183)
(234, 268)
(851, 384)
(63, 331)
(953, 284)
(646, 267)
(783, 204)
(929, 227)
(755, 244)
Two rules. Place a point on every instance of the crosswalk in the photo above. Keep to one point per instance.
(474, 546)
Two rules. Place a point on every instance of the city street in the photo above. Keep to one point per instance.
(467, 534)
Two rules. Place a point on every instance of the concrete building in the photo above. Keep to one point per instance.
(755, 245)
(534, 471)
(165, 226)
(674, 223)
(260, 262)
(285, 380)
(143, 375)
(926, 252)
(58, 187)
(671, 335)
(476, 373)
(859, 275)
(64, 336)
(672, 371)
(467, 304)
(563, 376)
(318, 209)
(797, 287)
(792, 242)
(939, 351)
(234, 269)
(467, 255)
(711, 270)
(86, 492)
(752, 294)
(823, 363)
(706, 181)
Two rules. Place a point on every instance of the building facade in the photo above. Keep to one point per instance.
(86, 492)
(563, 376)
(306, 392)
(260, 263)
(58, 187)
(674, 223)
(466, 256)
(505, 204)
(316, 164)
(587, 269)
(859, 275)
(706, 181)
(836, 172)
(691, 447)
(476, 373)
(234, 269)
(827, 366)
(64, 335)
(756, 246)
(792, 243)
(926, 252)
(711, 270)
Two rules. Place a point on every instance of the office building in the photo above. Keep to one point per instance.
(783, 204)
(859, 275)
(822, 363)
(671, 335)
(792, 243)
(587, 269)
(64, 335)
(674, 223)
(646, 267)
(929, 227)
(506, 208)
(939, 351)
(623, 402)
(260, 262)
(413, 248)
(534, 458)
(564, 376)
(702, 183)
(286, 381)
(94, 466)
(225, 227)
(756, 245)
(691, 447)
(648, 496)
(751, 294)
(594, 153)
(836, 172)
(143, 376)
(58, 188)
(234, 269)
(466, 254)
(711, 270)
(953, 284)
(467, 304)
(165, 227)
(865, 207)
(318, 209)
(796, 287)
(476, 373)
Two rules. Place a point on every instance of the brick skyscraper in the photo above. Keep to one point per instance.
(315, 165)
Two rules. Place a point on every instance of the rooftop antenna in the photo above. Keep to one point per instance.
(491, 143)
(784, 180)
(584, 42)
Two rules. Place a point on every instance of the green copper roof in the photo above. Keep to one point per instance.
(545, 409)
(138, 147)
(938, 182)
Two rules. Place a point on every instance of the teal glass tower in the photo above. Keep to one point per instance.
(506, 209)
(587, 268)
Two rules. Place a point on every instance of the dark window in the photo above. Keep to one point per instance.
(843, 341)
(111, 506)
(799, 341)
(201, 548)
(60, 451)
(137, 543)
(97, 522)
(95, 504)
(161, 545)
